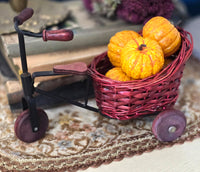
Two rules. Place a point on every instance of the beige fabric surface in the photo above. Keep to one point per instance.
(179, 158)
(78, 139)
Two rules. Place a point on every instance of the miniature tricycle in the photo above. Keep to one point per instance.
(117, 100)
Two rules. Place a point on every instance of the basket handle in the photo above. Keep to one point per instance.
(187, 46)
(79, 68)
(24, 15)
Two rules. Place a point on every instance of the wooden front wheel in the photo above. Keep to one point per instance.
(23, 129)
(169, 125)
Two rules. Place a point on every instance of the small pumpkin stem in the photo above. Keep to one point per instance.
(141, 47)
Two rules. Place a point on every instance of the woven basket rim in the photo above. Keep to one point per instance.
(181, 57)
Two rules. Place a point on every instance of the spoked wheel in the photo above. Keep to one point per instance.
(169, 125)
(23, 129)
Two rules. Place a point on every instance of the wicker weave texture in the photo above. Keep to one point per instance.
(126, 100)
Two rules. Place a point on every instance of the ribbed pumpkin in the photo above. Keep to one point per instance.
(117, 74)
(117, 42)
(161, 30)
(142, 58)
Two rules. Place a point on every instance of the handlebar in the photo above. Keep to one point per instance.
(24, 15)
(57, 35)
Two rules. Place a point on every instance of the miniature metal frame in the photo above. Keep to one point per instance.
(28, 101)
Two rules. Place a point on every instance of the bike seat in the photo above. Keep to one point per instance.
(72, 68)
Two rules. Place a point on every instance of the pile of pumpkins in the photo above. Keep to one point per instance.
(137, 57)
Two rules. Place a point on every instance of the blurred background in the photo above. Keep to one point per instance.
(184, 13)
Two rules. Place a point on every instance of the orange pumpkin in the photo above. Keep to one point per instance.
(117, 74)
(161, 30)
(117, 42)
(142, 58)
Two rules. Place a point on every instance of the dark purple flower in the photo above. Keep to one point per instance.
(102, 7)
(88, 5)
(140, 11)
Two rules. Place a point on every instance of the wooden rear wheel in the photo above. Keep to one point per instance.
(23, 129)
(169, 125)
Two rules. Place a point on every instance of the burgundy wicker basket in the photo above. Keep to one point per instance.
(126, 100)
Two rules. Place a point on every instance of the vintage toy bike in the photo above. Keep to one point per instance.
(118, 100)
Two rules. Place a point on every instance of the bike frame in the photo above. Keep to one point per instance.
(28, 101)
